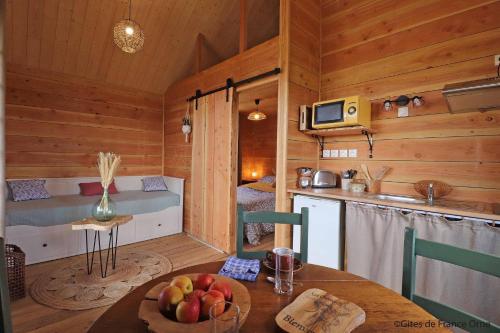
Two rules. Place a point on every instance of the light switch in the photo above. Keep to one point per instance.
(326, 153)
(403, 111)
(343, 153)
(334, 153)
(353, 153)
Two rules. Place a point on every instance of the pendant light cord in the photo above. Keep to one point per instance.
(129, 9)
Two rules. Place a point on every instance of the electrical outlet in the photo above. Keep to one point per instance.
(326, 153)
(343, 153)
(353, 153)
(403, 111)
(334, 153)
(497, 59)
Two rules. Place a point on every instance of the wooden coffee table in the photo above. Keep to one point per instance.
(385, 310)
(111, 227)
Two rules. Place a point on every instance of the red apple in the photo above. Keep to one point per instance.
(210, 298)
(168, 299)
(188, 311)
(197, 293)
(224, 288)
(184, 283)
(203, 281)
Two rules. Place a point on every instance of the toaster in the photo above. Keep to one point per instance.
(324, 179)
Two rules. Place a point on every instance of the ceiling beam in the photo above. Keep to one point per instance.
(243, 25)
(200, 41)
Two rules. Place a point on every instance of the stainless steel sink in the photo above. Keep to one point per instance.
(399, 198)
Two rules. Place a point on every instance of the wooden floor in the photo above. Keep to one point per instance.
(182, 250)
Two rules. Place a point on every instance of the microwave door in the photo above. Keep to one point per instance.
(329, 113)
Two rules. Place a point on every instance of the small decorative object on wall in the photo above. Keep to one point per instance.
(186, 123)
(257, 115)
(128, 35)
(107, 164)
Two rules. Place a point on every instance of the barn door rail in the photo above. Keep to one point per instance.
(231, 84)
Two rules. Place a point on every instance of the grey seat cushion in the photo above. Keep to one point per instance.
(68, 208)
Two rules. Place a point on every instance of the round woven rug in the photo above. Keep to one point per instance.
(71, 288)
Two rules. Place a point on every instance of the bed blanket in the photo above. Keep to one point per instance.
(254, 200)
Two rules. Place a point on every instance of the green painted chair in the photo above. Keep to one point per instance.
(477, 261)
(5, 321)
(244, 217)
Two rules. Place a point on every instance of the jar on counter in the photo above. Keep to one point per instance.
(357, 186)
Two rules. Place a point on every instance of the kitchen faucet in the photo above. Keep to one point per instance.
(430, 194)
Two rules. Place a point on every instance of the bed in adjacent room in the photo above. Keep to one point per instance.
(258, 196)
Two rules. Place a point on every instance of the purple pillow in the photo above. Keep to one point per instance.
(152, 184)
(29, 189)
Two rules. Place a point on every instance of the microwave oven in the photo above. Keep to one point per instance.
(341, 112)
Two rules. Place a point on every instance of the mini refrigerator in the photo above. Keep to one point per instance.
(326, 230)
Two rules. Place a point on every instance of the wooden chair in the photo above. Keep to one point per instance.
(5, 321)
(477, 261)
(301, 219)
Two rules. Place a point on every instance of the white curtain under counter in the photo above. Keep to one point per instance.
(374, 250)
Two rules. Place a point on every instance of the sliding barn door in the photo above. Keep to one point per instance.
(214, 170)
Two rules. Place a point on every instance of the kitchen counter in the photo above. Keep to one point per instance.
(481, 210)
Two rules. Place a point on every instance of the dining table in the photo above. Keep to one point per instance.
(385, 309)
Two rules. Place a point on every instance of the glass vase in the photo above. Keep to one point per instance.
(104, 209)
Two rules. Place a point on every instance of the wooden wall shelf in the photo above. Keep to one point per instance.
(342, 131)
(354, 130)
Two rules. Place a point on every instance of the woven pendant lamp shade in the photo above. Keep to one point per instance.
(257, 115)
(128, 36)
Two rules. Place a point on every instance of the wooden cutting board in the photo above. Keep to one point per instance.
(316, 311)
(157, 323)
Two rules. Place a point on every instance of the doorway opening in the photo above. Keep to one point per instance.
(257, 148)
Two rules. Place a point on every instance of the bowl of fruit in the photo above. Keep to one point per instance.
(182, 304)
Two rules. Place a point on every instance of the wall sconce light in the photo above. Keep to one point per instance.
(417, 101)
(403, 100)
(387, 105)
(254, 174)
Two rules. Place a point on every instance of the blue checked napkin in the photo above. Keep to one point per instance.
(241, 269)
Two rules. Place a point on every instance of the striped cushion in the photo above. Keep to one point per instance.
(154, 184)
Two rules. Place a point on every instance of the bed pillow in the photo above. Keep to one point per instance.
(95, 188)
(268, 179)
(30, 189)
(152, 184)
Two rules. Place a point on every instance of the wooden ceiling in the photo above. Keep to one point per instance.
(268, 95)
(75, 37)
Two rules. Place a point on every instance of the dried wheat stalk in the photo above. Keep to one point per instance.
(108, 164)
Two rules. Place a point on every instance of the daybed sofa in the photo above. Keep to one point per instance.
(42, 227)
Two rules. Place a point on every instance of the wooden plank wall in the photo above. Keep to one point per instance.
(56, 125)
(380, 50)
(257, 60)
(2, 120)
(304, 82)
(257, 144)
(299, 58)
